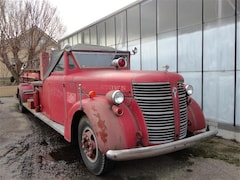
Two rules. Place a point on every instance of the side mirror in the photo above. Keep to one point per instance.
(67, 47)
(134, 51)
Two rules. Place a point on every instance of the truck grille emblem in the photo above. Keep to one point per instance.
(174, 90)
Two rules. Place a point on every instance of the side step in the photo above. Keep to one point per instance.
(58, 127)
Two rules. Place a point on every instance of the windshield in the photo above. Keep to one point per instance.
(97, 59)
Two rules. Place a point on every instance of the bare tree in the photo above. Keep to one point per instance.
(4, 71)
(26, 28)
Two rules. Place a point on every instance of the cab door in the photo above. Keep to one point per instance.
(71, 91)
(56, 92)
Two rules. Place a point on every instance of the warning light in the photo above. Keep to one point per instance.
(92, 94)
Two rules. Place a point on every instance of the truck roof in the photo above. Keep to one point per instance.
(89, 47)
(57, 54)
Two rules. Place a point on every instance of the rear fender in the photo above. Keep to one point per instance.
(196, 119)
(112, 131)
(25, 91)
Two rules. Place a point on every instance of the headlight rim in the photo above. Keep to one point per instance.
(115, 99)
(189, 89)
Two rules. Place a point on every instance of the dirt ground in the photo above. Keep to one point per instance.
(29, 149)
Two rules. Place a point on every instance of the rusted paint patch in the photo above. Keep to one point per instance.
(101, 126)
(102, 133)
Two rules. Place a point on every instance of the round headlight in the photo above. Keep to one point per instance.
(189, 89)
(117, 97)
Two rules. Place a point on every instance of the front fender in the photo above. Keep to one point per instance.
(196, 119)
(112, 131)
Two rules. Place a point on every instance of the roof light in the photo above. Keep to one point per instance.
(120, 62)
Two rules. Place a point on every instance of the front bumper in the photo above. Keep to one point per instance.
(151, 151)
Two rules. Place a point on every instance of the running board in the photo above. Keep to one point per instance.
(56, 126)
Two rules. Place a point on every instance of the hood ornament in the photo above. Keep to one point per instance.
(165, 68)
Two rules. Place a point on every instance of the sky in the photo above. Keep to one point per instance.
(76, 14)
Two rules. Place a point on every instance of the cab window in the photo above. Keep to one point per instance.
(71, 64)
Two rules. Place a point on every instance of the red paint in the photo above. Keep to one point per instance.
(196, 117)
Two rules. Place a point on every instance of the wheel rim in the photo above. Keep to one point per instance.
(89, 144)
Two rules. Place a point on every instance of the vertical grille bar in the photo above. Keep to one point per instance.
(183, 110)
(155, 101)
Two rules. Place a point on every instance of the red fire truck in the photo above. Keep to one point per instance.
(90, 96)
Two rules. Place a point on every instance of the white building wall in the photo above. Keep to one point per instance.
(200, 39)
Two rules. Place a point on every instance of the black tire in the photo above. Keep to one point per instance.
(21, 108)
(96, 162)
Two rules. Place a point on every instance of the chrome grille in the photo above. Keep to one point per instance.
(155, 101)
(183, 110)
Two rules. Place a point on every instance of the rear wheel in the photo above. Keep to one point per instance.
(20, 105)
(96, 162)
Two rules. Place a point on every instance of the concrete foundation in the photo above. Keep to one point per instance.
(226, 131)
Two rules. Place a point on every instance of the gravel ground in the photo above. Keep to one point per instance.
(29, 149)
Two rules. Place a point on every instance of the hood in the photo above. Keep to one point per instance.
(103, 81)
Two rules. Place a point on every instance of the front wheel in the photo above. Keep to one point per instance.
(96, 162)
